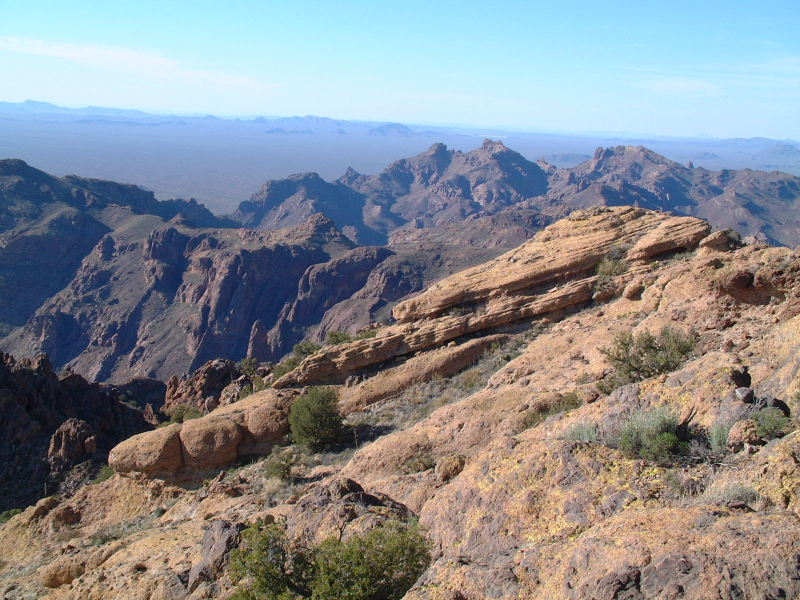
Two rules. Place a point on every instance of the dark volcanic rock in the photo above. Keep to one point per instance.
(51, 424)
(202, 388)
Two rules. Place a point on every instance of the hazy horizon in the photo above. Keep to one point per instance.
(694, 70)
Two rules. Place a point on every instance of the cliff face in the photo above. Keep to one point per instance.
(480, 413)
(52, 425)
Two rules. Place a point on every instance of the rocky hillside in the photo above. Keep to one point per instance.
(111, 282)
(56, 431)
(115, 284)
(495, 412)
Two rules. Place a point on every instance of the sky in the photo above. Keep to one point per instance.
(711, 68)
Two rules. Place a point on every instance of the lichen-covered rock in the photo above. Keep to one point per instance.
(449, 466)
(742, 434)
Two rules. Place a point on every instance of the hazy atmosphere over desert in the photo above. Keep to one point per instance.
(383, 301)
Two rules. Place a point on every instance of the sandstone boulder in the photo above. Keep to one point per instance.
(153, 452)
(209, 442)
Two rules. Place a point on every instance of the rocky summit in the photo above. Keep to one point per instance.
(605, 411)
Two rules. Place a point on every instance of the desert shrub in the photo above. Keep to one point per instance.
(381, 564)
(566, 402)
(682, 487)
(256, 384)
(337, 337)
(727, 493)
(106, 472)
(314, 419)
(583, 432)
(247, 366)
(718, 437)
(418, 464)
(608, 268)
(638, 357)
(366, 334)
(771, 423)
(653, 435)
(7, 514)
(281, 464)
(182, 413)
(305, 348)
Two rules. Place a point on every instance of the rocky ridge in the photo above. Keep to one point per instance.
(514, 507)
(115, 284)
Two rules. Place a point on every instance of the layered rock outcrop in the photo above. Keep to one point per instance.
(546, 276)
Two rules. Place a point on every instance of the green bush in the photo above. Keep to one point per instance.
(106, 472)
(381, 564)
(281, 464)
(334, 338)
(314, 419)
(771, 423)
(7, 514)
(653, 435)
(247, 366)
(583, 432)
(638, 357)
(718, 437)
(366, 334)
(566, 402)
(608, 268)
(182, 413)
(418, 464)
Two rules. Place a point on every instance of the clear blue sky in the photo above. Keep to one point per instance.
(722, 68)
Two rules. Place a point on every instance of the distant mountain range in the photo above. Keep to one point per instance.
(114, 283)
(220, 161)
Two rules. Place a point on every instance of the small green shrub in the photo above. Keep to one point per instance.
(256, 384)
(105, 473)
(7, 514)
(608, 268)
(182, 413)
(638, 357)
(566, 402)
(652, 435)
(718, 437)
(366, 334)
(381, 564)
(334, 338)
(771, 423)
(583, 432)
(314, 419)
(247, 366)
(281, 464)
(727, 493)
(305, 349)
